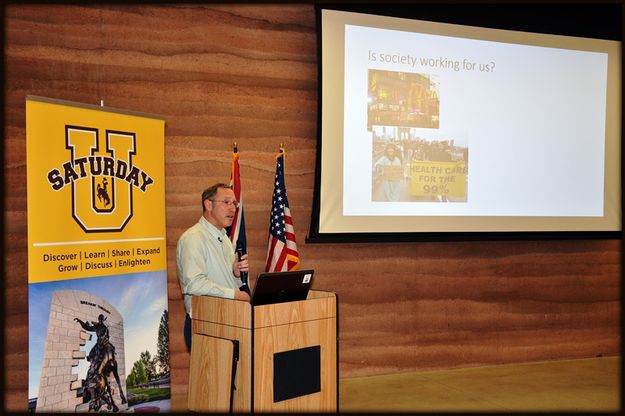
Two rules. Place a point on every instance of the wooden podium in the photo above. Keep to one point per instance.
(283, 356)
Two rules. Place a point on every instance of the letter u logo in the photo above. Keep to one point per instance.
(102, 199)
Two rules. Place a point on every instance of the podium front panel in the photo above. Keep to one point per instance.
(210, 356)
(296, 337)
(243, 394)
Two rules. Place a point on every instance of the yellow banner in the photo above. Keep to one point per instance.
(96, 191)
(438, 178)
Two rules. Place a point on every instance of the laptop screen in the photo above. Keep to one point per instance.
(280, 287)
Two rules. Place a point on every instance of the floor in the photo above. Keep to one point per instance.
(589, 385)
(575, 385)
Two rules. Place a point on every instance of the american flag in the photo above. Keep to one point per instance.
(237, 230)
(282, 252)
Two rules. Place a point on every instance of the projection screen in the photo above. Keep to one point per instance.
(438, 128)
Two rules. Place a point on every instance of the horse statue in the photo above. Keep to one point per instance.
(103, 364)
(99, 391)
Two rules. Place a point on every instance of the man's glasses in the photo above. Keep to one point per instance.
(229, 203)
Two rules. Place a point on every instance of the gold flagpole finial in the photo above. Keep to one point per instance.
(236, 148)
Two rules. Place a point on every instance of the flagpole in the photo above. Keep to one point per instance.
(282, 253)
(236, 231)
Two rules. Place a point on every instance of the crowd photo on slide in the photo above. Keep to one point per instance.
(412, 160)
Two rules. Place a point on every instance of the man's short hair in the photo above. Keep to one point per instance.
(212, 191)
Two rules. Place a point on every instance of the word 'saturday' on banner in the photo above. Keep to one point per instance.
(95, 192)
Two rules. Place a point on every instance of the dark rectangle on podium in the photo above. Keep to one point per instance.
(296, 373)
(278, 287)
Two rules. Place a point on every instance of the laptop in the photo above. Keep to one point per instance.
(278, 287)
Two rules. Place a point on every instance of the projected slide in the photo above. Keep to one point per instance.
(487, 128)
(445, 128)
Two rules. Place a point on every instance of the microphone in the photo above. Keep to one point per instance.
(220, 240)
(240, 253)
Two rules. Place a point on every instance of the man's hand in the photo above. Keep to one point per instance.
(240, 266)
(241, 295)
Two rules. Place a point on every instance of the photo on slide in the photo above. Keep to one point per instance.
(409, 165)
(402, 99)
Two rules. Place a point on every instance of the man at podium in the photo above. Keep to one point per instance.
(205, 259)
